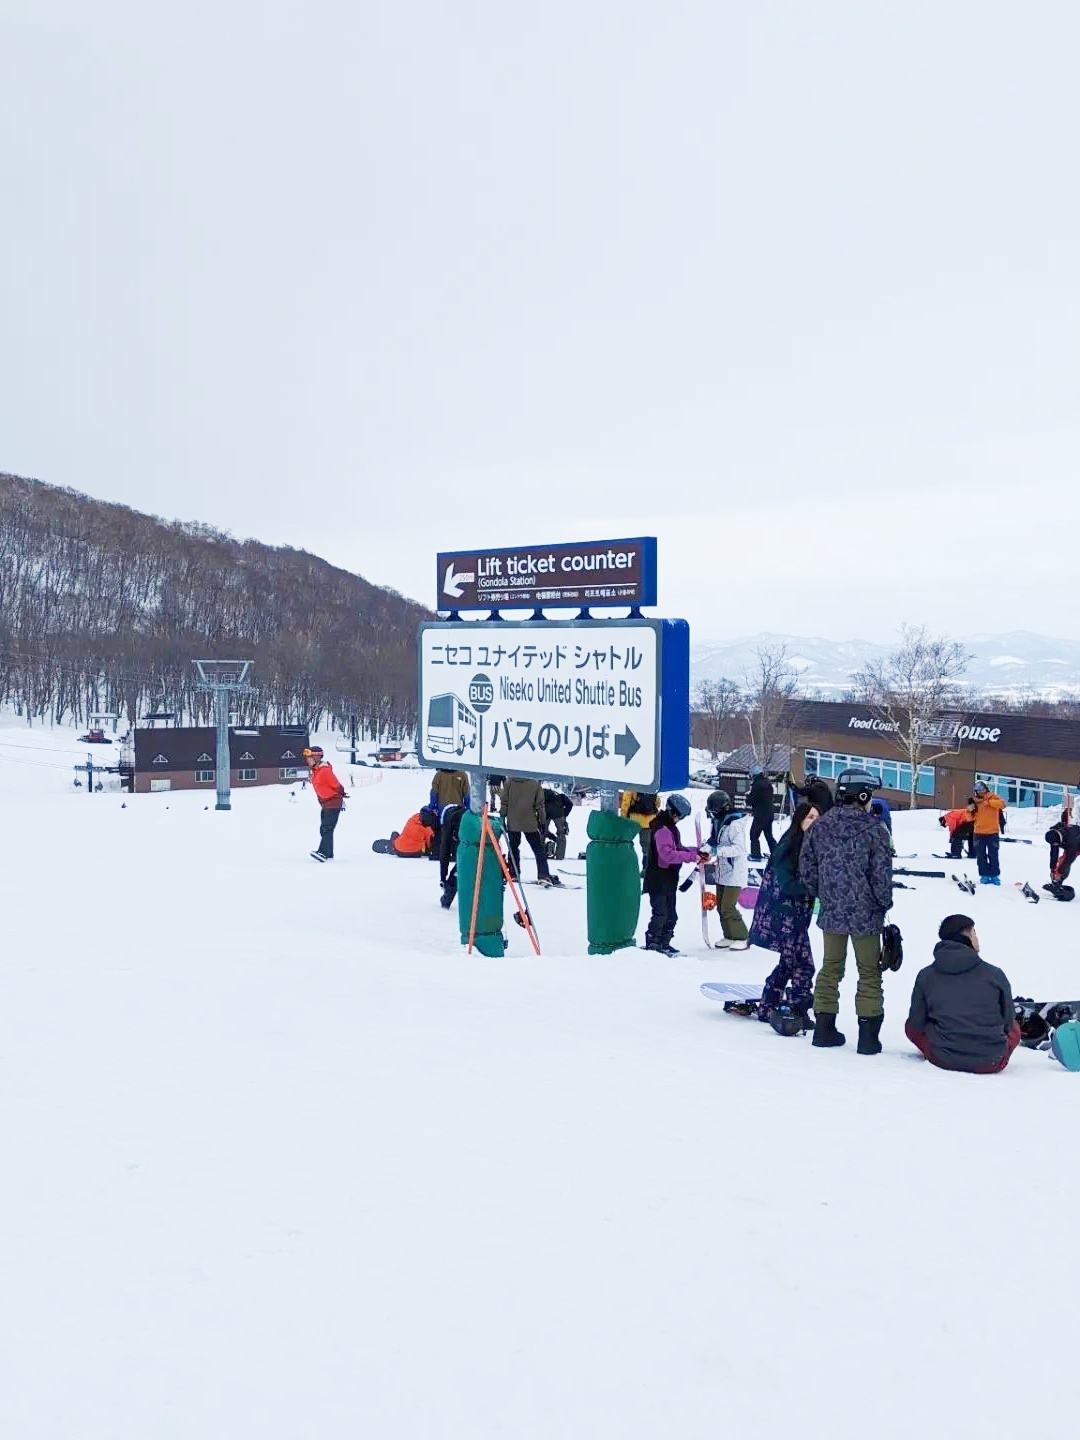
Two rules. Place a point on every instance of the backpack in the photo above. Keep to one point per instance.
(643, 804)
(1065, 1044)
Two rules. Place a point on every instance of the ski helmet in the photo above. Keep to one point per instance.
(856, 785)
(787, 1020)
(679, 806)
(719, 803)
(313, 752)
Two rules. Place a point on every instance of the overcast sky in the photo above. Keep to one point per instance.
(793, 285)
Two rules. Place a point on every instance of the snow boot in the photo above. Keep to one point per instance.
(869, 1027)
(825, 1031)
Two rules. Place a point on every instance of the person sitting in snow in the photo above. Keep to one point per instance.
(962, 1014)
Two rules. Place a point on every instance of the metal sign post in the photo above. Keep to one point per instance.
(225, 678)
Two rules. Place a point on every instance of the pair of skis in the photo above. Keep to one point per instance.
(968, 886)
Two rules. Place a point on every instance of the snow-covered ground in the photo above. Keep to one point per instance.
(281, 1160)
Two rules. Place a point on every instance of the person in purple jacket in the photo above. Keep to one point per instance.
(661, 881)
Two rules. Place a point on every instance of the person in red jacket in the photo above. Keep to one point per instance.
(330, 794)
(961, 827)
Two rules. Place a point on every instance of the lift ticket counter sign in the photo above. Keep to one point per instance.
(600, 700)
(592, 572)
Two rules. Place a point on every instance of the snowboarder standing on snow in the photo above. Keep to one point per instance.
(988, 811)
(330, 794)
(557, 807)
(962, 1014)
(760, 804)
(727, 841)
(816, 791)
(524, 813)
(782, 920)
(666, 855)
(846, 863)
(1064, 842)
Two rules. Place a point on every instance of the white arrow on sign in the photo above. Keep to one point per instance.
(452, 581)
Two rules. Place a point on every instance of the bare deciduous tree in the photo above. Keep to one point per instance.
(718, 705)
(911, 691)
(770, 687)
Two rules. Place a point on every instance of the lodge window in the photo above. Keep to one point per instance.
(1024, 794)
(247, 774)
(288, 772)
(893, 774)
(204, 777)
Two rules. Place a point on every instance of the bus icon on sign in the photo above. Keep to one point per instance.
(481, 693)
(451, 726)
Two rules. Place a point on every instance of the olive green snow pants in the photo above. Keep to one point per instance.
(731, 921)
(868, 997)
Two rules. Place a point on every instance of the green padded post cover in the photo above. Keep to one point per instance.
(613, 881)
(489, 939)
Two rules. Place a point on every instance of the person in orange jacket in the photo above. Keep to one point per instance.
(988, 808)
(330, 794)
(414, 841)
(961, 827)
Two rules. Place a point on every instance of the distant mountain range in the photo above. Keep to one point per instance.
(1016, 663)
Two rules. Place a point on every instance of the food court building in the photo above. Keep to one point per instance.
(1028, 760)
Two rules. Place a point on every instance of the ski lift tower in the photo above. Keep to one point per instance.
(225, 678)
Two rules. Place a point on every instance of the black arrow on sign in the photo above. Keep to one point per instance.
(627, 745)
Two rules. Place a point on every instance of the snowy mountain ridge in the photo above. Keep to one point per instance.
(1009, 663)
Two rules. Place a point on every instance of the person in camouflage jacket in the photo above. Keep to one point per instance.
(846, 862)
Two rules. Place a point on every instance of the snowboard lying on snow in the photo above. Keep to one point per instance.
(386, 847)
(736, 999)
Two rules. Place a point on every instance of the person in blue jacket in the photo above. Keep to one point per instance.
(782, 922)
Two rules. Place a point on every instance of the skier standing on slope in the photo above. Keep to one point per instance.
(666, 854)
(330, 794)
(760, 804)
(846, 863)
(988, 808)
(727, 841)
(782, 920)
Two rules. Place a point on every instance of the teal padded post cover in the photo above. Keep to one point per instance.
(1065, 1044)
(489, 939)
(613, 881)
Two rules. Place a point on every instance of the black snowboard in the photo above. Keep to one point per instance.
(1039, 1018)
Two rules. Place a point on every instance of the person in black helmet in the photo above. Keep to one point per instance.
(727, 841)
(661, 880)
(846, 863)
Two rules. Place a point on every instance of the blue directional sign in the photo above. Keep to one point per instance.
(601, 700)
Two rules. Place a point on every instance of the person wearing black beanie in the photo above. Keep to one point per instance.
(962, 1015)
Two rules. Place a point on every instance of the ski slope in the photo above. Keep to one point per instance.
(282, 1161)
